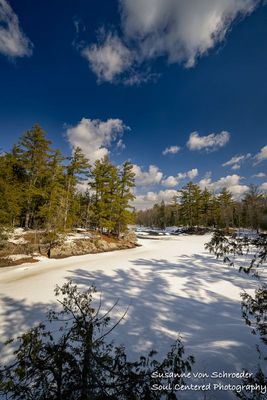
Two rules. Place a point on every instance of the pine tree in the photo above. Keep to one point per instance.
(76, 172)
(55, 194)
(161, 215)
(206, 207)
(124, 214)
(86, 201)
(111, 194)
(33, 153)
(215, 212)
(253, 206)
(226, 205)
(104, 183)
(10, 191)
(191, 204)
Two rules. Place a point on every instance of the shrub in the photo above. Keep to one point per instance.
(73, 361)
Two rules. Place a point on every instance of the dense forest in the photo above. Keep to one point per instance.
(39, 188)
(194, 207)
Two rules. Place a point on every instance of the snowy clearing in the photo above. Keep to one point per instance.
(171, 287)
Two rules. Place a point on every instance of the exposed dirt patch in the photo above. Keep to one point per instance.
(31, 244)
(5, 262)
(91, 246)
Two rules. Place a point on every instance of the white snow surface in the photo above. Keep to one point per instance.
(171, 287)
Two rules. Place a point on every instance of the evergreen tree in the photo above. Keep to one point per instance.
(161, 215)
(191, 204)
(206, 208)
(76, 172)
(253, 206)
(226, 205)
(124, 211)
(10, 191)
(104, 183)
(33, 153)
(215, 212)
(55, 194)
(86, 200)
(41, 189)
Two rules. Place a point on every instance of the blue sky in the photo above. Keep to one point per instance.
(139, 79)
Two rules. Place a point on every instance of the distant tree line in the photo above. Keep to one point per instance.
(194, 207)
(39, 188)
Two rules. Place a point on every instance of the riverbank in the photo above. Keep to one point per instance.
(29, 246)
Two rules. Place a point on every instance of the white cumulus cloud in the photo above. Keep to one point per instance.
(263, 186)
(262, 155)
(152, 176)
(94, 137)
(171, 150)
(210, 142)
(236, 161)
(181, 31)
(147, 200)
(13, 42)
(172, 181)
(230, 182)
(259, 175)
(193, 173)
(109, 58)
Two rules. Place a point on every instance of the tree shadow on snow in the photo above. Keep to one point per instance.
(210, 323)
(164, 299)
(18, 316)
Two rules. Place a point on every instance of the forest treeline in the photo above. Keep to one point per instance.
(193, 207)
(38, 188)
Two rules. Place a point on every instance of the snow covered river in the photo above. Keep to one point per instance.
(171, 287)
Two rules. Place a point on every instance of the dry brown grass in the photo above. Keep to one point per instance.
(5, 262)
(109, 239)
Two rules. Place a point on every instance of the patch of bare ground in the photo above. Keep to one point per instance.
(6, 262)
(27, 246)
